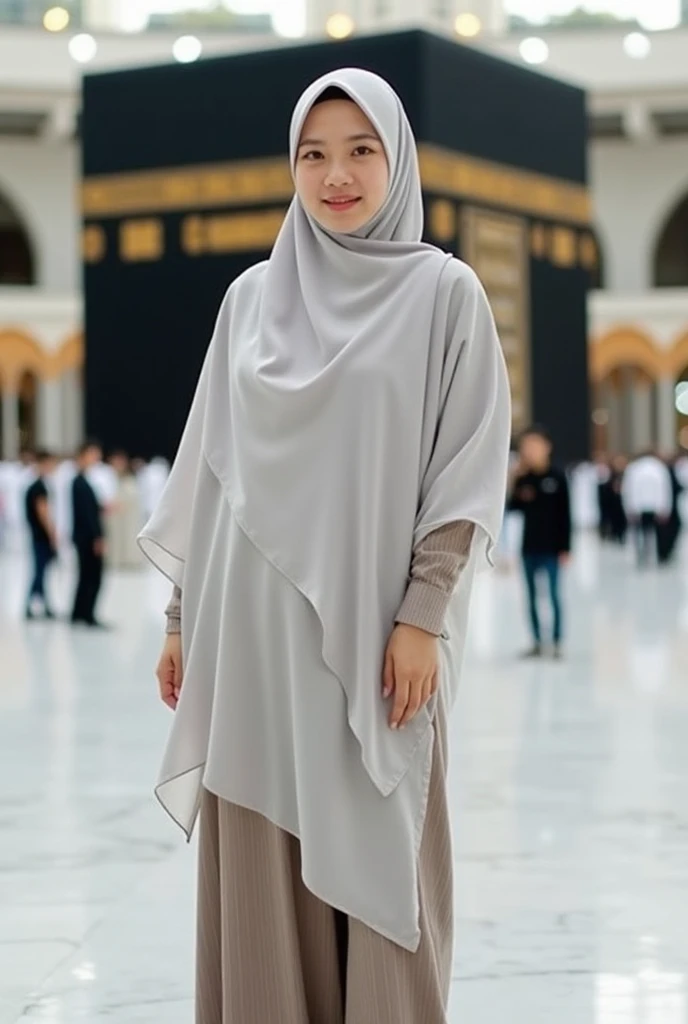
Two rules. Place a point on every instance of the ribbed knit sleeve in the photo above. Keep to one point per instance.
(174, 612)
(435, 569)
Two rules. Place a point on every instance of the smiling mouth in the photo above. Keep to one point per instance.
(342, 204)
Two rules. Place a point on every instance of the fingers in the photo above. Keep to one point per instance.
(388, 676)
(169, 697)
(428, 689)
(401, 698)
(177, 666)
(415, 702)
(410, 699)
(410, 672)
(169, 676)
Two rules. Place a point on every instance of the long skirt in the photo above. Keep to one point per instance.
(270, 952)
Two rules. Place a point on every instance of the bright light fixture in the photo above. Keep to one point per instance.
(56, 19)
(637, 45)
(187, 49)
(467, 25)
(340, 26)
(288, 23)
(534, 50)
(83, 48)
(682, 398)
(659, 16)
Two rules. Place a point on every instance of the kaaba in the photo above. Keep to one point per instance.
(186, 181)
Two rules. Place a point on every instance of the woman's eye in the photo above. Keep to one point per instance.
(312, 154)
(362, 150)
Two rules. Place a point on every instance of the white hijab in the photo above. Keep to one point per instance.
(353, 400)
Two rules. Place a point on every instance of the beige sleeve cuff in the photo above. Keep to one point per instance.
(435, 570)
(424, 606)
(174, 612)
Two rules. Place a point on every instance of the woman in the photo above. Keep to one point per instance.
(342, 471)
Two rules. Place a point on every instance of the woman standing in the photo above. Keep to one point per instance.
(342, 472)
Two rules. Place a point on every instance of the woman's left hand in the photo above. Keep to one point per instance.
(410, 673)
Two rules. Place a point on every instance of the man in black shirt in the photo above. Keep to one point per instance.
(43, 534)
(541, 493)
(88, 537)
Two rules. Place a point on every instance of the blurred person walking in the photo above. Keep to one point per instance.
(62, 480)
(603, 473)
(125, 517)
(647, 499)
(43, 534)
(618, 521)
(585, 501)
(16, 477)
(87, 535)
(152, 478)
(669, 531)
(541, 493)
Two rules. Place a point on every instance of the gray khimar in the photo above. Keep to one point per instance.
(354, 399)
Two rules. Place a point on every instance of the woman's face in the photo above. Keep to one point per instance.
(341, 171)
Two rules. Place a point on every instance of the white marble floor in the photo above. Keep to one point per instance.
(569, 791)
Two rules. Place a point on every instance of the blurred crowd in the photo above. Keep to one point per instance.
(643, 499)
(127, 489)
(85, 507)
(90, 508)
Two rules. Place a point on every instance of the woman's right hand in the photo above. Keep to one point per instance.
(169, 671)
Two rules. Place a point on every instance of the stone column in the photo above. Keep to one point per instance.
(666, 415)
(641, 415)
(50, 427)
(626, 410)
(604, 400)
(72, 409)
(10, 425)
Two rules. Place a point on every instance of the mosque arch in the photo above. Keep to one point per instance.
(19, 352)
(677, 357)
(69, 356)
(670, 258)
(625, 346)
(17, 253)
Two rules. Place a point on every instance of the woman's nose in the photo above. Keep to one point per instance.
(338, 174)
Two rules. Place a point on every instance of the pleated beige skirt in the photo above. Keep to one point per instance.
(270, 952)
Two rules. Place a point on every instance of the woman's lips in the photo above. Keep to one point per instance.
(342, 204)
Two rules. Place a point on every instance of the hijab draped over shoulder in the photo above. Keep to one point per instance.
(353, 399)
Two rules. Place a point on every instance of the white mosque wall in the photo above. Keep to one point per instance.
(635, 188)
(658, 314)
(40, 180)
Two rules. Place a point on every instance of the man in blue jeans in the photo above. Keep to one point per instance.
(43, 534)
(541, 493)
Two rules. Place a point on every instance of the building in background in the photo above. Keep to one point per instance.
(323, 16)
(637, 82)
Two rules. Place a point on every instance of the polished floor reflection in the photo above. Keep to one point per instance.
(569, 788)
